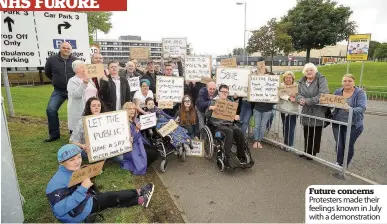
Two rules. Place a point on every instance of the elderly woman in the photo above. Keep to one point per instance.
(80, 89)
(143, 153)
(288, 104)
(357, 99)
(310, 87)
(141, 95)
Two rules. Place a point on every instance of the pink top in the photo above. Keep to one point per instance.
(90, 90)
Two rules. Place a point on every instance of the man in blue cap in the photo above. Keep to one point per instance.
(80, 203)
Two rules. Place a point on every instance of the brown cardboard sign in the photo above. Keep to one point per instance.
(165, 104)
(140, 53)
(228, 62)
(287, 90)
(225, 110)
(206, 80)
(94, 70)
(330, 99)
(89, 171)
(168, 128)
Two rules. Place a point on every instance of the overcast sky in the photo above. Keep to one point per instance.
(216, 26)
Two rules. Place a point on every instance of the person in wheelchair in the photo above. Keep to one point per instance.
(232, 133)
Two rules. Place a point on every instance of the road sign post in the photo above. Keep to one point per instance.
(8, 92)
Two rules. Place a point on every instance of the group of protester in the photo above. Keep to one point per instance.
(112, 92)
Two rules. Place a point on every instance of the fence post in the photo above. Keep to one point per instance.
(347, 139)
(8, 92)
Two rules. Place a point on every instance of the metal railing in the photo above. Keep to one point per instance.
(276, 135)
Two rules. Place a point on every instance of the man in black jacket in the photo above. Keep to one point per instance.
(135, 65)
(151, 76)
(59, 70)
(114, 90)
(128, 73)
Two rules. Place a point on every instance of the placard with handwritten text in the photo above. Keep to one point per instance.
(174, 47)
(107, 134)
(225, 110)
(169, 88)
(197, 67)
(237, 80)
(264, 88)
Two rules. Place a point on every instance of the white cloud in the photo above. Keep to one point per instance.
(216, 26)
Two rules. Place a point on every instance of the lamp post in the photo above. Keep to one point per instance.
(244, 31)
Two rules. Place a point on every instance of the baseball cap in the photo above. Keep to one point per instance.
(68, 151)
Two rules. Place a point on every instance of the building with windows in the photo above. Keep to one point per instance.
(119, 49)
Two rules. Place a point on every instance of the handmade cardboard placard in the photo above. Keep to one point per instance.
(107, 134)
(206, 80)
(169, 88)
(197, 149)
(197, 67)
(261, 67)
(168, 128)
(134, 84)
(140, 53)
(287, 90)
(89, 171)
(237, 80)
(263, 88)
(225, 110)
(94, 70)
(330, 99)
(148, 121)
(174, 47)
(165, 104)
(228, 62)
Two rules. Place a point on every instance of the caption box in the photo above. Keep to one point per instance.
(346, 204)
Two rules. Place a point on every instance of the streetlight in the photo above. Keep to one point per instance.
(244, 31)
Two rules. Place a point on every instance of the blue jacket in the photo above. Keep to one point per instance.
(69, 205)
(359, 105)
(136, 160)
(203, 101)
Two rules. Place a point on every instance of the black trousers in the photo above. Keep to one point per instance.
(124, 198)
(151, 153)
(233, 133)
(312, 139)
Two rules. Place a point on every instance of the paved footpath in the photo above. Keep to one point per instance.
(272, 191)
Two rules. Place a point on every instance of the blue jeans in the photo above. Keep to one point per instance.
(270, 122)
(340, 137)
(245, 116)
(56, 100)
(288, 126)
(261, 119)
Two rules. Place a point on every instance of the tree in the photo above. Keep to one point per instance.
(270, 39)
(237, 51)
(381, 52)
(314, 24)
(373, 46)
(98, 21)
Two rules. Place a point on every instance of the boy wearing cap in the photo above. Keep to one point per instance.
(79, 203)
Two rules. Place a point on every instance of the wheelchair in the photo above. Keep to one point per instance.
(214, 142)
(164, 147)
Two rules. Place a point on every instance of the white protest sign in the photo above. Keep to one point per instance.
(197, 149)
(148, 121)
(237, 80)
(19, 46)
(107, 134)
(263, 88)
(197, 67)
(134, 84)
(343, 204)
(169, 88)
(54, 28)
(174, 47)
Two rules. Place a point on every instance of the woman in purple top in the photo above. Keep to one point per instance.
(143, 153)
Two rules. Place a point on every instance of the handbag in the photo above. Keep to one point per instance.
(328, 115)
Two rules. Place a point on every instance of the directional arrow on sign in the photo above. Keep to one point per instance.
(10, 21)
(65, 24)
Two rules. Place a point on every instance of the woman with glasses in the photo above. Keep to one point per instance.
(186, 116)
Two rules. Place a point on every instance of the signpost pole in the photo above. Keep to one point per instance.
(8, 91)
(361, 75)
(347, 67)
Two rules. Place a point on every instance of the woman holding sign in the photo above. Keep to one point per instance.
(357, 99)
(143, 153)
(79, 89)
(187, 117)
(310, 87)
(288, 104)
